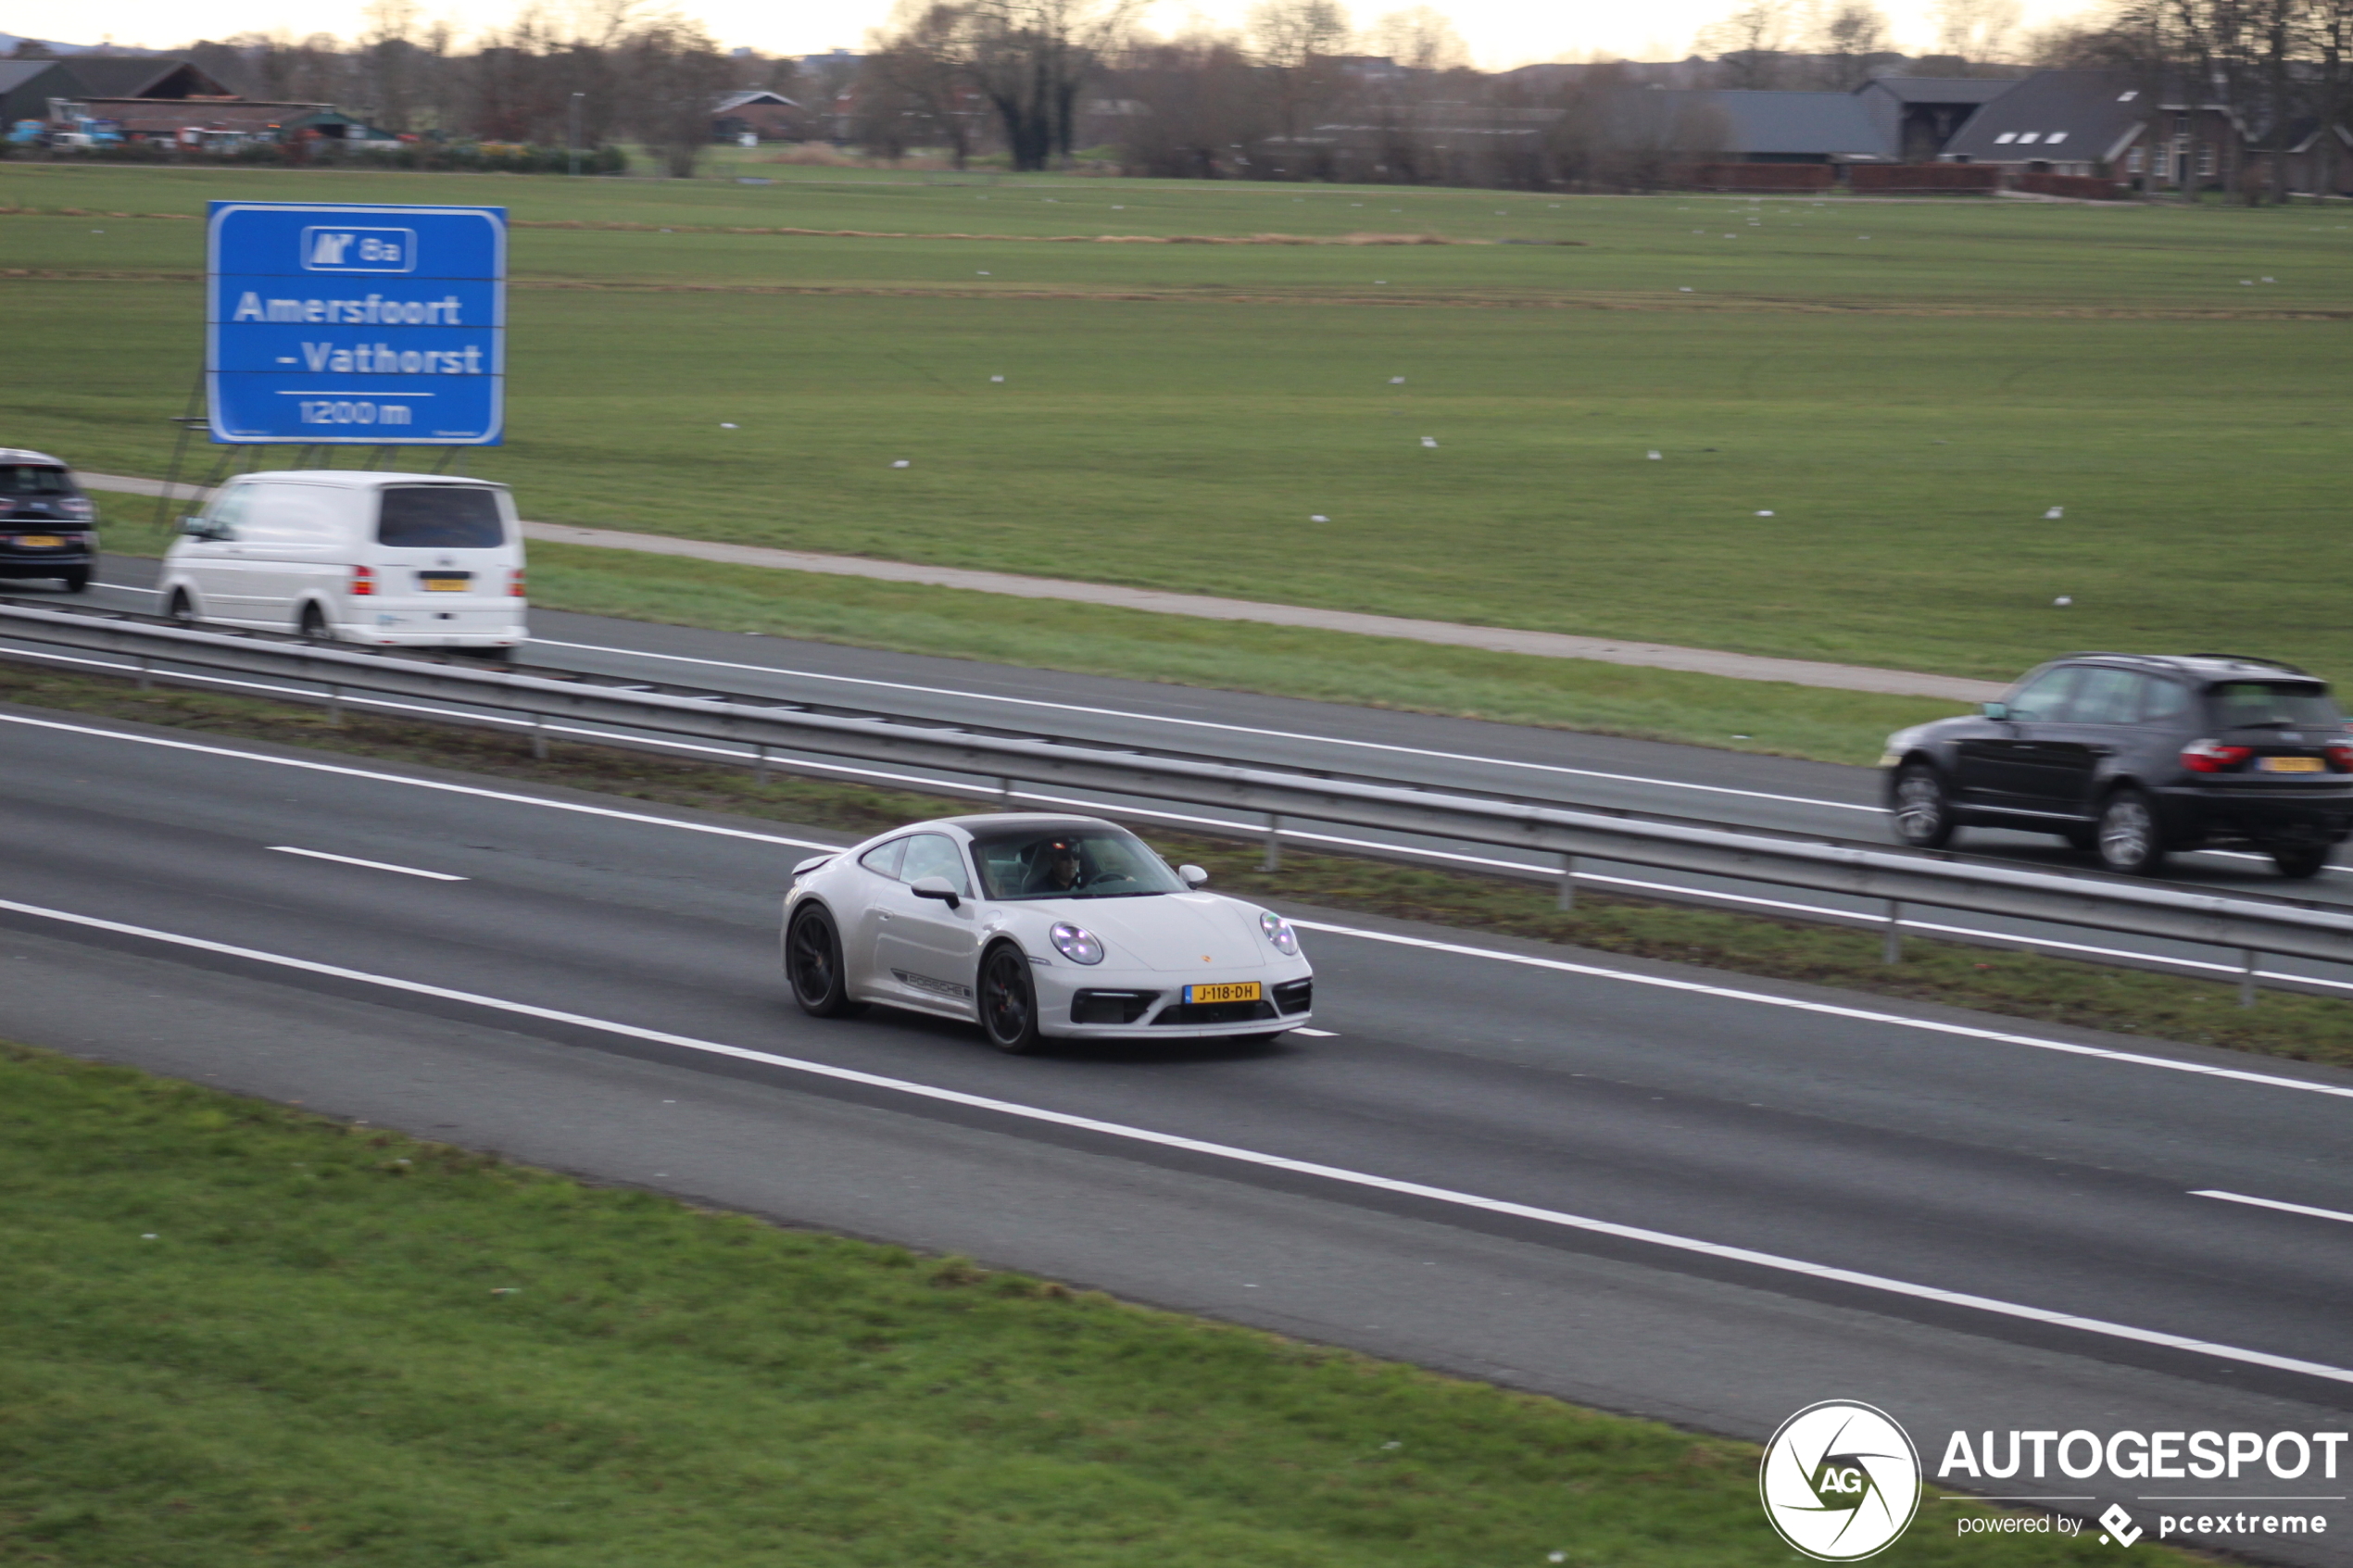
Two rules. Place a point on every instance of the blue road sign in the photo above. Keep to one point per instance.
(366, 325)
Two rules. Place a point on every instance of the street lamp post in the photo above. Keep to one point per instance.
(571, 135)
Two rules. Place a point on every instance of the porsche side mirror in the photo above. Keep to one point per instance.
(1193, 876)
(1995, 709)
(937, 887)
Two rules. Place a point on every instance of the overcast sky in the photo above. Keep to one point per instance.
(1501, 32)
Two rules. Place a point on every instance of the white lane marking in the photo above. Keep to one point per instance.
(420, 784)
(1864, 1015)
(2275, 1203)
(1214, 724)
(371, 865)
(1239, 1156)
(1316, 1034)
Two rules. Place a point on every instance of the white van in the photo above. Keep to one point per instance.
(414, 559)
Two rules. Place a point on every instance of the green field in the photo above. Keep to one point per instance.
(238, 1334)
(1907, 405)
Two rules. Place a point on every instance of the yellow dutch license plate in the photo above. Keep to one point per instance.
(1236, 991)
(2288, 764)
(40, 540)
(447, 584)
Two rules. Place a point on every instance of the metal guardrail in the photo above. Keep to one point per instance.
(764, 726)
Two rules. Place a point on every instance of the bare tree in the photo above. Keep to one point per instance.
(1978, 32)
(672, 74)
(912, 86)
(1294, 40)
(1852, 36)
(1031, 57)
(1750, 45)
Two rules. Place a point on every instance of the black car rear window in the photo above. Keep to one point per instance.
(440, 517)
(2271, 705)
(33, 479)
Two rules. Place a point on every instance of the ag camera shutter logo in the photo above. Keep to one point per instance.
(1840, 1481)
(358, 250)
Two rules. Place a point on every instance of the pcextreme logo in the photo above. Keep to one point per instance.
(1840, 1481)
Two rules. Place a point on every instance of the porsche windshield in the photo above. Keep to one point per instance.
(1070, 863)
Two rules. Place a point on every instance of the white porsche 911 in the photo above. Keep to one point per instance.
(1038, 927)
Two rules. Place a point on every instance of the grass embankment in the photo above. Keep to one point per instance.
(1907, 406)
(241, 1334)
(2020, 985)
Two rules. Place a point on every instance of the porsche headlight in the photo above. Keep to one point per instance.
(1076, 942)
(1279, 933)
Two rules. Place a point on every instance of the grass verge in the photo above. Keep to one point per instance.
(244, 1333)
(1568, 693)
(2303, 1028)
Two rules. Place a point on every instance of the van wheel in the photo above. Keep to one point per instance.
(179, 612)
(313, 624)
(76, 580)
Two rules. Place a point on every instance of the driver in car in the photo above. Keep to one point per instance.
(1058, 869)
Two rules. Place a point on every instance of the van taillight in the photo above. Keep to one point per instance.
(364, 582)
(514, 584)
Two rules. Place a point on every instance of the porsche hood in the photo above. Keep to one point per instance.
(1177, 933)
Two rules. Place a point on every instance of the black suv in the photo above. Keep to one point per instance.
(2133, 755)
(47, 526)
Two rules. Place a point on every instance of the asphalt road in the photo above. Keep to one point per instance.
(1663, 1191)
(1725, 788)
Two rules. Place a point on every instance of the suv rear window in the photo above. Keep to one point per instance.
(2271, 705)
(440, 517)
(33, 479)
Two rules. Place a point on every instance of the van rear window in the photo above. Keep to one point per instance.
(33, 479)
(440, 517)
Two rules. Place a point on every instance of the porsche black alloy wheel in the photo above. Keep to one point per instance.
(813, 962)
(1009, 1002)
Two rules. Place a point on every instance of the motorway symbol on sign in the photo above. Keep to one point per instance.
(331, 322)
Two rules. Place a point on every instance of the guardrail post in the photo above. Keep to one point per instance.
(1893, 952)
(1274, 861)
(144, 685)
(1005, 793)
(538, 738)
(759, 770)
(2247, 977)
(334, 705)
(1568, 882)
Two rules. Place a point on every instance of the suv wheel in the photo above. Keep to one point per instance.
(2128, 840)
(1923, 812)
(2300, 861)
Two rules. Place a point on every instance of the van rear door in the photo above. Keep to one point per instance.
(445, 556)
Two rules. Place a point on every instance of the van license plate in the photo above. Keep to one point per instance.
(1238, 991)
(2287, 764)
(444, 582)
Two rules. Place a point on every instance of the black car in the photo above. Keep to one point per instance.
(47, 526)
(2133, 755)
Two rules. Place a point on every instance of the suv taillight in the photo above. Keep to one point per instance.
(2213, 756)
(514, 584)
(364, 582)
